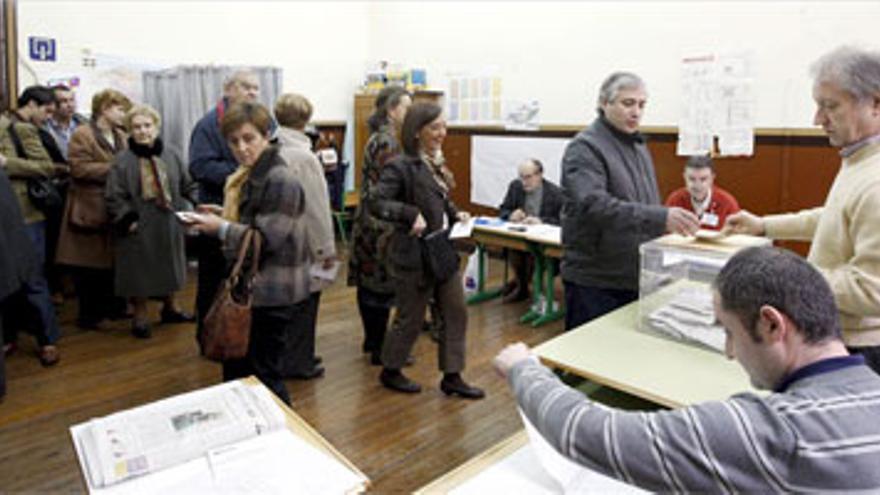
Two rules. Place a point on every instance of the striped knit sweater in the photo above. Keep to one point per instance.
(822, 434)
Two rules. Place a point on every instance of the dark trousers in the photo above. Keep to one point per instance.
(53, 270)
(871, 355)
(31, 307)
(412, 299)
(94, 290)
(299, 357)
(584, 303)
(212, 272)
(265, 358)
(2, 357)
(374, 308)
(523, 265)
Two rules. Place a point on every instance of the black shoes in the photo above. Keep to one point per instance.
(376, 360)
(141, 329)
(317, 371)
(452, 384)
(520, 293)
(172, 316)
(394, 380)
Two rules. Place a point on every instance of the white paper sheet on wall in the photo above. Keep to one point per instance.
(494, 162)
(717, 99)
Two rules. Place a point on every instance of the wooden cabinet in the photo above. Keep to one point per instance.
(363, 108)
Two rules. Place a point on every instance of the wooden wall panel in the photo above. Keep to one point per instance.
(812, 166)
(736, 175)
(785, 173)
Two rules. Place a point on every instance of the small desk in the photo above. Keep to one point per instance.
(610, 351)
(480, 463)
(513, 466)
(537, 240)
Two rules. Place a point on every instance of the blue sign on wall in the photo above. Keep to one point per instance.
(42, 49)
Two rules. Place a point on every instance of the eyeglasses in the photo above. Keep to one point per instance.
(527, 176)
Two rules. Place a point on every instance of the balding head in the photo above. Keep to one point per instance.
(241, 86)
(531, 174)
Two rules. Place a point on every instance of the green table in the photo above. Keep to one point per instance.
(612, 352)
(540, 241)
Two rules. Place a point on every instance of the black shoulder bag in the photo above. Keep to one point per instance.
(438, 252)
(42, 191)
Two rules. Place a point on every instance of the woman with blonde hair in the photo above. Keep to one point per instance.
(84, 242)
(146, 186)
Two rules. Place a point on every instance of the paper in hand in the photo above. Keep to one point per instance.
(462, 230)
(322, 277)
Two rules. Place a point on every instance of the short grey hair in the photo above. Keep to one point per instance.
(614, 83)
(239, 75)
(855, 70)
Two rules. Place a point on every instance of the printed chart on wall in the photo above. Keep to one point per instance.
(717, 101)
(88, 73)
(494, 162)
(474, 98)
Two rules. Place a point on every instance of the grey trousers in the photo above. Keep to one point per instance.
(412, 299)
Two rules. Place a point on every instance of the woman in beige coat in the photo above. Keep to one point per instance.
(84, 242)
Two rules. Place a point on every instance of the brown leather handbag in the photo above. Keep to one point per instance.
(226, 330)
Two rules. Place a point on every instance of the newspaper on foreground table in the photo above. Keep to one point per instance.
(176, 445)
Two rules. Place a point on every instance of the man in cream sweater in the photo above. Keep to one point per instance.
(845, 232)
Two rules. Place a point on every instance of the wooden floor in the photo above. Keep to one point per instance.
(401, 442)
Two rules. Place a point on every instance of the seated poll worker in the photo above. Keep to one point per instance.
(845, 231)
(531, 199)
(700, 195)
(817, 430)
(612, 204)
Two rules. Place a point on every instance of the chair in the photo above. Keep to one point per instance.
(334, 172)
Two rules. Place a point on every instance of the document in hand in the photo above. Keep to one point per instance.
(206, 441)
(462, 230)
(569, 476)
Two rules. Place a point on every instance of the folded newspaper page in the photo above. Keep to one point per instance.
(571, 478)
(172, 431)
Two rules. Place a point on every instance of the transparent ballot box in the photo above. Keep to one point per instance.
(675, 285)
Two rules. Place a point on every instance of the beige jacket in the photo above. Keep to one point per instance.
(297, 153)
(845, 235)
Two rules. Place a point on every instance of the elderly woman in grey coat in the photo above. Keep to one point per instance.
(146, 186)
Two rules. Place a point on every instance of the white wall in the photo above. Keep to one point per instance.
(559, 52)
(556, 52)
(320, 45)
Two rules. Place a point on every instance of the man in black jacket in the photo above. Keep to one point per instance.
(530, 200)
(612, 204)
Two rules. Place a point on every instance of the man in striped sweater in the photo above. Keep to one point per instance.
(816, 431)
